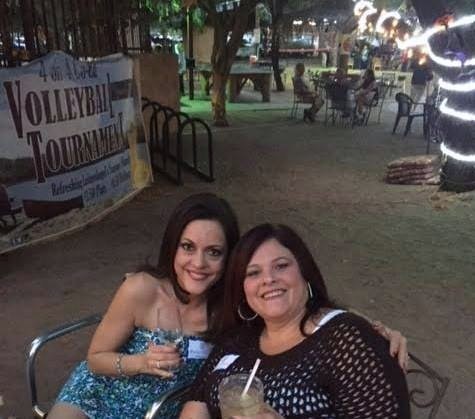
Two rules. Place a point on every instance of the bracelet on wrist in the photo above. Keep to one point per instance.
(118, 365)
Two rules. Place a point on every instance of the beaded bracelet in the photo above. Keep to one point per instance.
(118, 365)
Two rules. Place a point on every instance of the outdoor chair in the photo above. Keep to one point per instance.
(336, 104)
(404, 110)
(297, 100)
(375, 101)
(427, 387)
(38, 343)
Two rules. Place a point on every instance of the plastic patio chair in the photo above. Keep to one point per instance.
(295, 104)
(336, 103)
(404, 110)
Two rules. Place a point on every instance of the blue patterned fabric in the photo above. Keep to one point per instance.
(103, 397)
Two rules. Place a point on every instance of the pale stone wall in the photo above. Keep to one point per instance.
(203, 45)
(159, 78)
(158, 75)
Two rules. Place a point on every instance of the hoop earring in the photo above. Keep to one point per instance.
(247, 319)
(310, 291)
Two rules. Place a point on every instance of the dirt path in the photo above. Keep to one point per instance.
(401, 254)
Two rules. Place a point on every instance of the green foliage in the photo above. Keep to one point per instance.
(168, 16)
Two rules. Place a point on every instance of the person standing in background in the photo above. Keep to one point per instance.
(421, 76)
(179, 51)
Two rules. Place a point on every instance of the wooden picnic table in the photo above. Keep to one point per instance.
(239, 75)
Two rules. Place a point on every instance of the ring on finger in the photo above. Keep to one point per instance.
(158, 364)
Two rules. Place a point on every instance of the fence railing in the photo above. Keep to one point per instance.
(82, 28)
(178, 142)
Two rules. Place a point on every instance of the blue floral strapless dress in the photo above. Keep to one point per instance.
(104, 397)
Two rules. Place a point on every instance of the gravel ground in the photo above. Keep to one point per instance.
(401, 254)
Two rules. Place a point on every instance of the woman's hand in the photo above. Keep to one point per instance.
(397, 343)
(160, 359)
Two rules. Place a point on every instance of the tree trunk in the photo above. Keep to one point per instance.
(221, 63)
(5, 34)
(274, 53)
(224, 52)
(28, 27)
(457, 175)
(218, 99)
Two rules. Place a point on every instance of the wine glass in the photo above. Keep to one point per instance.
(170, 327)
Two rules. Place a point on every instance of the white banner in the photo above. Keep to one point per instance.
(72, 144)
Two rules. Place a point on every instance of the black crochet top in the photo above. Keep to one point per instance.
(343, 370)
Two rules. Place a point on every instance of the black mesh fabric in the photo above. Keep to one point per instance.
(343, 370)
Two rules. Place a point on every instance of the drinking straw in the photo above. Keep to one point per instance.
(251, 377)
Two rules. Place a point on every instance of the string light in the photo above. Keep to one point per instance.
(468, 86)
(364, 18)
(385, 16)
(416, 41)
(361, 5)
(423, 39)
(463, 115)
(469, 158)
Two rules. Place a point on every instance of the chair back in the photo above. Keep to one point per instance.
(293, 85)
(427, 387)
(404, 103)
(338, 94)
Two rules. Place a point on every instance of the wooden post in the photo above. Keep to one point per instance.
(191, 60)
(28, 27)
(5, 33)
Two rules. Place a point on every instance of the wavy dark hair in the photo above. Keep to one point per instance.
(236, 273)
(202, 206)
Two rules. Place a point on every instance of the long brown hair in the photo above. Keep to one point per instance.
(202, 206)
(234, 295)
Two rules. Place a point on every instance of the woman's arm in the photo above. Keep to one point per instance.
(397, 342)
(116, 328)
(364, 380)
(195, 410)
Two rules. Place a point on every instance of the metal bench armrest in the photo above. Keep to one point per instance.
(172, 395)
(421, 398)
(38, 343)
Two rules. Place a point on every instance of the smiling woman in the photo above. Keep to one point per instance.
(128, 364)
(199, 256)
(316, 360)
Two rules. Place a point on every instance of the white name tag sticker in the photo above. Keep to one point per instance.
(225, 362)
(197, 349)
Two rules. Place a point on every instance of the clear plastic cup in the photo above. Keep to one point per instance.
(232, 403)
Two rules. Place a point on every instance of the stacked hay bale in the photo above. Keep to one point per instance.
(414, 170)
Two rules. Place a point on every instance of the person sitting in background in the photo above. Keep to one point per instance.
(338, 91)
(316, 360)
(306, 95)
(365, 92)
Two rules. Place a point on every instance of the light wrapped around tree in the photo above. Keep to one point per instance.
(452, 53)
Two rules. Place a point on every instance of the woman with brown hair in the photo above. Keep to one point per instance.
(317, 360)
